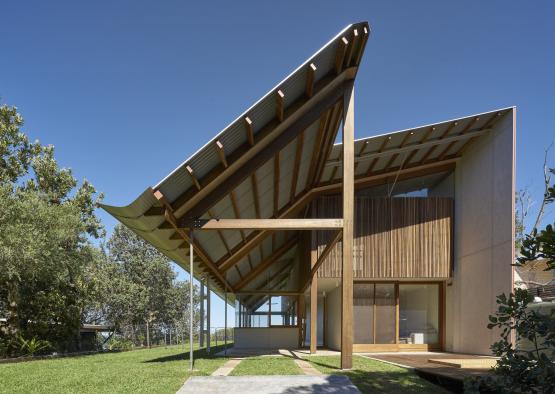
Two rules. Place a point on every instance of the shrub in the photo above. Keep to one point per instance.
(519, 369)
(32, 346)
(116, 343)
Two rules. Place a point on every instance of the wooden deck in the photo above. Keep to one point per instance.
(440, 372)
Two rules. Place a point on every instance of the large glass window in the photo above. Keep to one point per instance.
(363, 313)
(418, 314)
(264, 311)
(283, 311)
(381, 310)
(385, 313)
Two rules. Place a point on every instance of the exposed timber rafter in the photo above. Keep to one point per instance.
(221, 153)
(296, 166)
(264, 265)
(342, 45)
(276, 183)
(375, 161)
(310, 77)
(203, 256)
(273, 137)
(351, 48)
(365, 34)
(490, 123)
(193, 177)
(402, 148)
(280, 105)
(462, 133)
(249, 131)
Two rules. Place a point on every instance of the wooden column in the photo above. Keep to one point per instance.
(313, 299)
(348, 215)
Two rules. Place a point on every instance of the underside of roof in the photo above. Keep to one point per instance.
(273, 160)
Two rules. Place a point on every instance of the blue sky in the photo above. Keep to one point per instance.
(126, 90)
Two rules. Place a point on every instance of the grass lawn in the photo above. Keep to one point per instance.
(267, 365)
(376, 377)
(157, 370)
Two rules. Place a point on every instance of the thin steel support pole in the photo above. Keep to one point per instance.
(225, 324)
(191, 300)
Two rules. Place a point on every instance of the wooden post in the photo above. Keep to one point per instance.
(348, 214)
(313, 299)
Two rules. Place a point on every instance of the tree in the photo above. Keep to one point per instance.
(141, 284)
(46, 221)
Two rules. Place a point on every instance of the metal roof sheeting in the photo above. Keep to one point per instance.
(207, 160)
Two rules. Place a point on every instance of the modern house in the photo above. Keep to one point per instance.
(393, 242)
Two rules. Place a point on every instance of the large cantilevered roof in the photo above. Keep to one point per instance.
(272, 161)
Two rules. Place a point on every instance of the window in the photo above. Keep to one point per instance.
(380, 309)
(265, 311)
(283, 311)
(363, 313)
(418, 314)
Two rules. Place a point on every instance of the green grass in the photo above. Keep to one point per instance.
(267, 365)
(372, 376)
(157, 370)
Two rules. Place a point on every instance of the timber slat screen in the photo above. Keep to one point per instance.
(400, 237)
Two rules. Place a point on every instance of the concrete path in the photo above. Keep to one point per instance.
(269, 384)
(226, 369)
(307, 368)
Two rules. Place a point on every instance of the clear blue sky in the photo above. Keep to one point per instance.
(126, 90)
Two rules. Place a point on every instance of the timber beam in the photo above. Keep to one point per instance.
(265, 224)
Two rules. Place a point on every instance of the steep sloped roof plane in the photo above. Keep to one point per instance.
(276, 135)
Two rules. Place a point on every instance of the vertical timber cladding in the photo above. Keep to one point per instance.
(400, 237)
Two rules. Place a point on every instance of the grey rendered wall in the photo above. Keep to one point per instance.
(333, 324)
(483, 237)
(266, 338)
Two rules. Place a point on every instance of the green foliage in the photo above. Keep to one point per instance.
(541, 244)
(46, 221)
(135, 284)
(30, 347)
(521, 370)
(118, 343)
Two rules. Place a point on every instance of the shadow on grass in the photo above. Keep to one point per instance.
(383, 381)
(197, 354)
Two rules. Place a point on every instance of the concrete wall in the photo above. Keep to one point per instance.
(484, 237)
(333, 323)
(268, 338)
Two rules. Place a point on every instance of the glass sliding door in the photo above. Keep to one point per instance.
(418, 314)
(396, 314)
(385, 313)
(363, 313)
